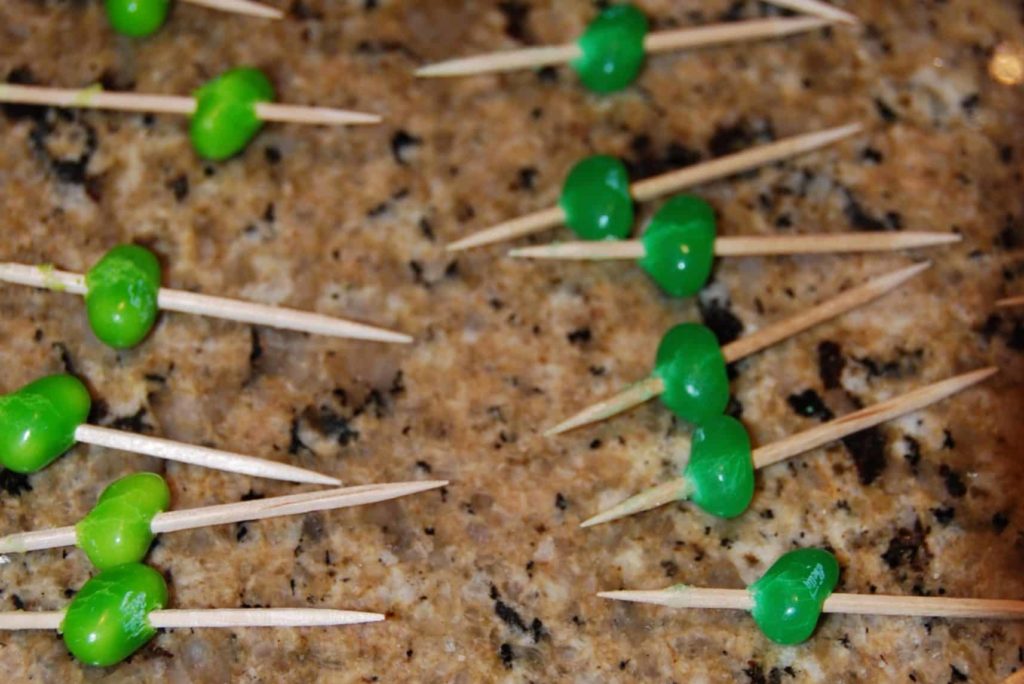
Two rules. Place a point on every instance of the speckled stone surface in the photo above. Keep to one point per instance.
(491, 579)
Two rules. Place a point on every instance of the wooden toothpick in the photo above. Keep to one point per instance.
(681, 596)
(217, 307)
(1010, 302)
(293, 504)
(678, 488)
(95, 98)
(661, 41)
(223, 617)
(757, 245)
(817, 8)
(198, 455)
(667, 183)
(247, 7)
(653, 386)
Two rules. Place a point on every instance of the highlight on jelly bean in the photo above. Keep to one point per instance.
(140, 18)
(690, 368)
(609, 54)
(226, 113)
(120, 609)
(123, 295)
(42, 420)
(787, 601)
(131, 511)
(719, 476)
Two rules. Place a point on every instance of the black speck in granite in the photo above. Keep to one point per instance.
(908, 547)
(887, 113)
(537, 630)
(179, 187)
(295, 443)
(739, 136)
(645, 162)
(516, 18)
(561, 503)
(947, 440)
(74, 133)
(717, 316)
(427, 229)
(18, 603)
(1016, 338)
(970, 104)
(810, 405)
(913, 452)
(755, 673)
(402, 146)
(255, 348)
(272, 155)
(579, 337)
(507, 655)
(871, 156)
(300, 10)
(859, 217)
(734, 409)
(1010, 235)
(241, 531)
(252, 495)
(526, 178)
(956, 675)
(830, 364)
(944, 514)
(547, 75)
(14, 483)
(954, 483)
(1000, 521)
(906, 364)
(867, 448)
(133, 423)
(65, 358)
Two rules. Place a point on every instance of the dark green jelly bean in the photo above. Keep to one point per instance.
(118, 529)
(613, 49)
(137, 18)
(121, 295)
(596, 199)
(108, 619)
(721, 470)
(788, 598)
(38, 422)
(679, 245)
(225, 119)
(690, 363)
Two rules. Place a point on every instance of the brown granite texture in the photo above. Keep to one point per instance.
(491, 579)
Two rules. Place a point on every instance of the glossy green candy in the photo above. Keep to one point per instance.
(38, 422)
(118, 529)
(225, 118)
(137, 18)
(690, 363)
(679, 245)
(788, 598)
(121, 295)
(108, 619)
(596, 199)
(721, 470)
(613, 49)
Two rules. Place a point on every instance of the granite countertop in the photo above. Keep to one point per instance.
(491, 579)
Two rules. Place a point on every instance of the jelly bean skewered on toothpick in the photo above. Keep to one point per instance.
(226, 112)
(138, 18)
(120, 609)
(679, 245)
(597, 200)
(788, 599)
(719, 476)
(122, 295)
(610, 53)
(132, 511)
(690, 368)
(43, 419)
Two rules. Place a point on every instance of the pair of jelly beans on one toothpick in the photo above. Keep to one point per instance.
(679, 243)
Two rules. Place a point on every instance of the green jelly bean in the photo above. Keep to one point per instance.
(108, 619)
(721, 470)
(612, 49)
(118, 529)
(225, 119)
(38, 422)
(137, 18)
(788, 598)
(596, 199)
(679, 245)
(121, 295)
(690, 363)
